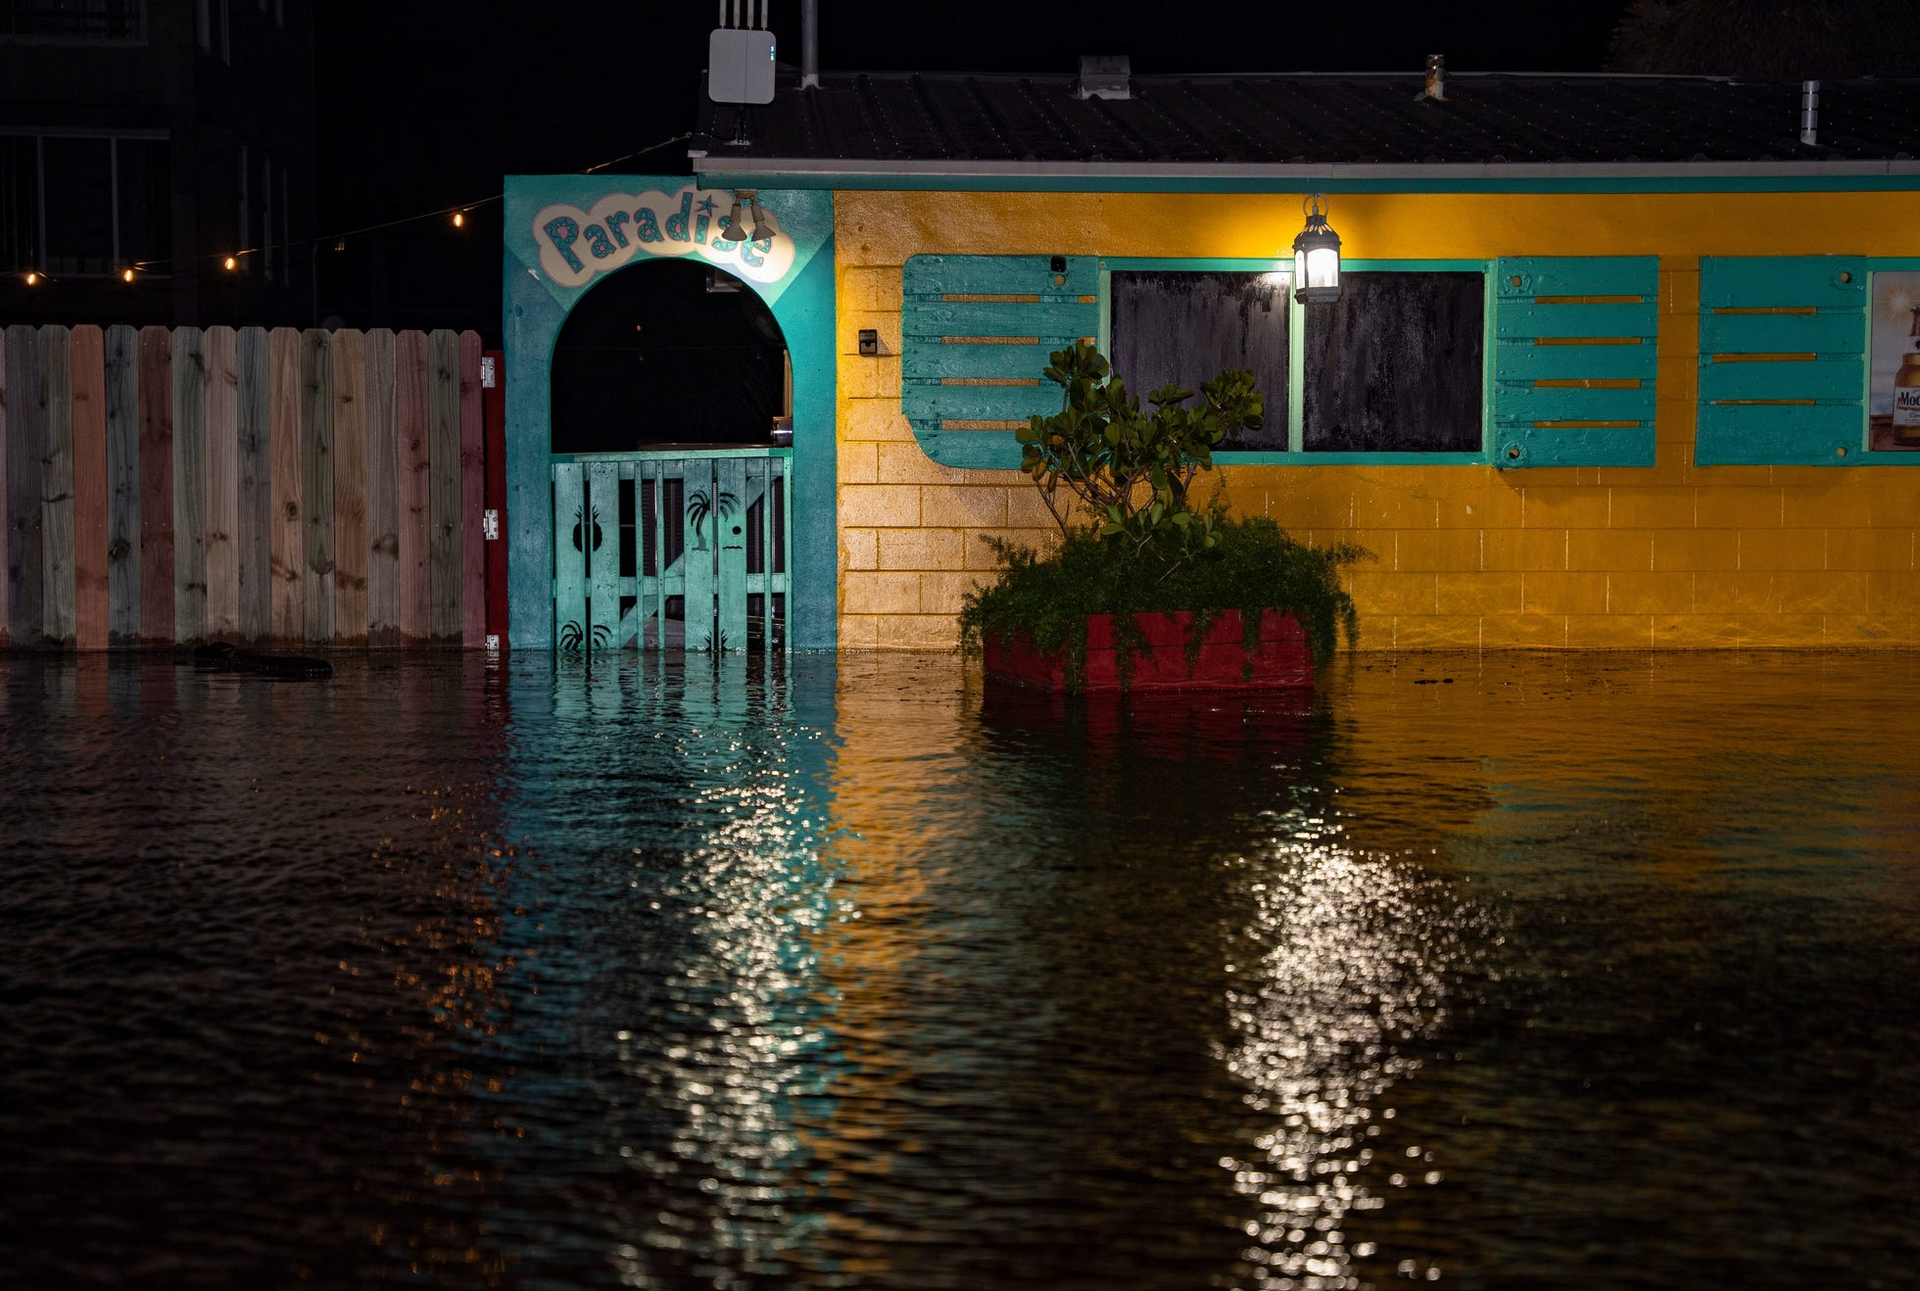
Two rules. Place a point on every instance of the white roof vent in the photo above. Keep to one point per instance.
(1104, 76)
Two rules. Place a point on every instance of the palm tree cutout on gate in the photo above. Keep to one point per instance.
(578, 524)
(572, 636)
(699, 507)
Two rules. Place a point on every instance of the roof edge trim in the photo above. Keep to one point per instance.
(797, 167)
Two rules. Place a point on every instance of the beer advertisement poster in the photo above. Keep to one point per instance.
(1893, 401)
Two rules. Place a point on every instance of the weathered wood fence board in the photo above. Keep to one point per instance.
(255, 507)
(349, 489)
(412, 431)
(382, 467)
(222, 484)
(123, 485)
(6, 634)
(189, 484)
(285, 546)
(90, 483)
(25, 450)
(56, 484)
(316, 479)
(156, 484)
(162, 486)
(443, 488)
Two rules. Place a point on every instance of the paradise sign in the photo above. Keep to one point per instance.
(575, 244)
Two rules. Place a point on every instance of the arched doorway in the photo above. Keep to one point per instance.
(671, 389)
(669, 352)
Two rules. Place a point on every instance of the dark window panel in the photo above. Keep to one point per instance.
(79, 205)
(72, 19)
(1190, 327)
(1396, 364)
(19, 204)
(146, 207)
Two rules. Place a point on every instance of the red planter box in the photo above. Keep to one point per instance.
(1280, 660)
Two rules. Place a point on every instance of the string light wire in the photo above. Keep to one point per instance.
(339, 237)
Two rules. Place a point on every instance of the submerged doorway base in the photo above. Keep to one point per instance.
(677, 549)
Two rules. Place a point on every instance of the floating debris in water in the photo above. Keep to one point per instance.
(224, 656)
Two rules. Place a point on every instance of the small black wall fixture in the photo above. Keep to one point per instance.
(869, 341)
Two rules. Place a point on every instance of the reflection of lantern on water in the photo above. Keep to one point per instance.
(1344, 964)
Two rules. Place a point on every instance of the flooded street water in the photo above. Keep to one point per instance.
(1495, 971)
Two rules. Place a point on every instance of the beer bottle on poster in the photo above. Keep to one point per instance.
(1906, 391)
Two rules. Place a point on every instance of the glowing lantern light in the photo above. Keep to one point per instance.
(1316, 257)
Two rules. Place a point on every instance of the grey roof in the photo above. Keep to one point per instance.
(881, 123)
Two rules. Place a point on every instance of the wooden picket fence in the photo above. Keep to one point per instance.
(162, 486)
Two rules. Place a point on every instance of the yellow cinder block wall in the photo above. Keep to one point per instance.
(1671, 555)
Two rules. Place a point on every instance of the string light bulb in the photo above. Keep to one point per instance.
(231, 262)
(126, 275)
(340, 245)
(33, 278)
(459, 218)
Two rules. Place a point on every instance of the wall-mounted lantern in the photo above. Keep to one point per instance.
(1316, 257)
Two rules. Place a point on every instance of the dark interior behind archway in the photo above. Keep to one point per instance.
(653, 356)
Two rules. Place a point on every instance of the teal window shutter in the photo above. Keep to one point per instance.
(975, 335)
(1783, 360)
(1575, 355)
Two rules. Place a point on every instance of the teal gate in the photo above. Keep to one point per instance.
(685, 550)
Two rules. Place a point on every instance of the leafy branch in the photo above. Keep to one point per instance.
(1132, 471)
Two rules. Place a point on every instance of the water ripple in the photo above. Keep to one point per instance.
(1554, 971)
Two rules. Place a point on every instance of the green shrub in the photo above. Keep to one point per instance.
(1146, 548)
(1132, 471)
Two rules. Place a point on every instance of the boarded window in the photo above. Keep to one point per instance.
(1190, 327)
(1396, 365)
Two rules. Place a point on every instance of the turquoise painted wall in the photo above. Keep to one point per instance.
(553, 258)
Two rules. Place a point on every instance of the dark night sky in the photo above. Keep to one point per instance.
(427, 103)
